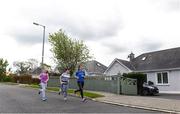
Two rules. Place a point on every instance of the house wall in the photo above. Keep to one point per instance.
(116, 68)
(173, 78)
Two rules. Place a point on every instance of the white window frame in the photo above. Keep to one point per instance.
(162, 78)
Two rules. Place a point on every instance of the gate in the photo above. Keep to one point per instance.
(128, 86)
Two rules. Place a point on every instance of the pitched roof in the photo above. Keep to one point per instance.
(95, 67)
(127, 64)
(157, 60)
(164, 59)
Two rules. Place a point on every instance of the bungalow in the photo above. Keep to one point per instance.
(94, 68)
(161, 67)
(91, 68)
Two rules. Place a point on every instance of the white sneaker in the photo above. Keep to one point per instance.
(65, 98)
(44, 99)
(84, 99)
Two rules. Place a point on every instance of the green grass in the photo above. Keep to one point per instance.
(70, 91)
(92, 95)
(53, 88)
(33, 86)
(9, 83)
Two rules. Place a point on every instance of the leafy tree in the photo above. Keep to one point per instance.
(33, 63)
(3, 66)
(68, 53)
(22, 67)
(46, 66)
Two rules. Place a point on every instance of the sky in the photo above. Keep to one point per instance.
(110, 28)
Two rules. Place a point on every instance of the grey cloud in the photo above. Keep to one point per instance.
(150, 45)
(114, 48)
(27, 36)
(87, 29)
(78, 26)
(174, 5)
(27, 39)
(168, 5)
(90, 32)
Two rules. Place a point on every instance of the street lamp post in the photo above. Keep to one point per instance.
(43, 40)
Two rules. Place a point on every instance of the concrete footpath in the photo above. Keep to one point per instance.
(144, 102)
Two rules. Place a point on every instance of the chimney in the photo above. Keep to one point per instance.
(131, 56)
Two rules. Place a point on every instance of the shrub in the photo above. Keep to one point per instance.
(12, 75)
(15, 79)
(1, 78)
(24, 79)
(35, 81)
(5, 78)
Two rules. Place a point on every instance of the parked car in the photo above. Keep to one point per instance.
(149, 89)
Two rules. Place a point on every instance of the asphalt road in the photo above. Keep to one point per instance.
(15, 99)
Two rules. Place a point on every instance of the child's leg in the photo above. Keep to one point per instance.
(40, 89)
(43, 91)
(65, 90)
(79, 86)
(60, 89)
(81, 89)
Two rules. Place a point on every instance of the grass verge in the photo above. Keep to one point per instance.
(70, 91)
(9, 83)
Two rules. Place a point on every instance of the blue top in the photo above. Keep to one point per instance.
(80, 74)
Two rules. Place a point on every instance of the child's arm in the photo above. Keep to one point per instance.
(61, 82)
(47, 77)
(76, 75)
(39, 77)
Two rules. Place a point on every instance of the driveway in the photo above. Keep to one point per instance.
(15, 99)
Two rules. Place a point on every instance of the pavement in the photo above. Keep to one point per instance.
(155, 103)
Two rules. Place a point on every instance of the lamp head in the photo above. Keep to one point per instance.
(35, 23)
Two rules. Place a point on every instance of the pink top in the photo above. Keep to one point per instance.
(44, 78)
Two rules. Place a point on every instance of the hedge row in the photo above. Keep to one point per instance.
(24, 79)
(5, 79)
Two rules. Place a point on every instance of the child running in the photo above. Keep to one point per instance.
(44, 77)
(80, 74)
(64, 81)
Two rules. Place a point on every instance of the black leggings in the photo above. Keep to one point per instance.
(80, 85)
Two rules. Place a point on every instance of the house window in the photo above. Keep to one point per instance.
(162, 78)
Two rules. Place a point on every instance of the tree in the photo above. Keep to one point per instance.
(46, 66)
(68, 53)
(3, 66)
(33, 63)
(22, 67)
